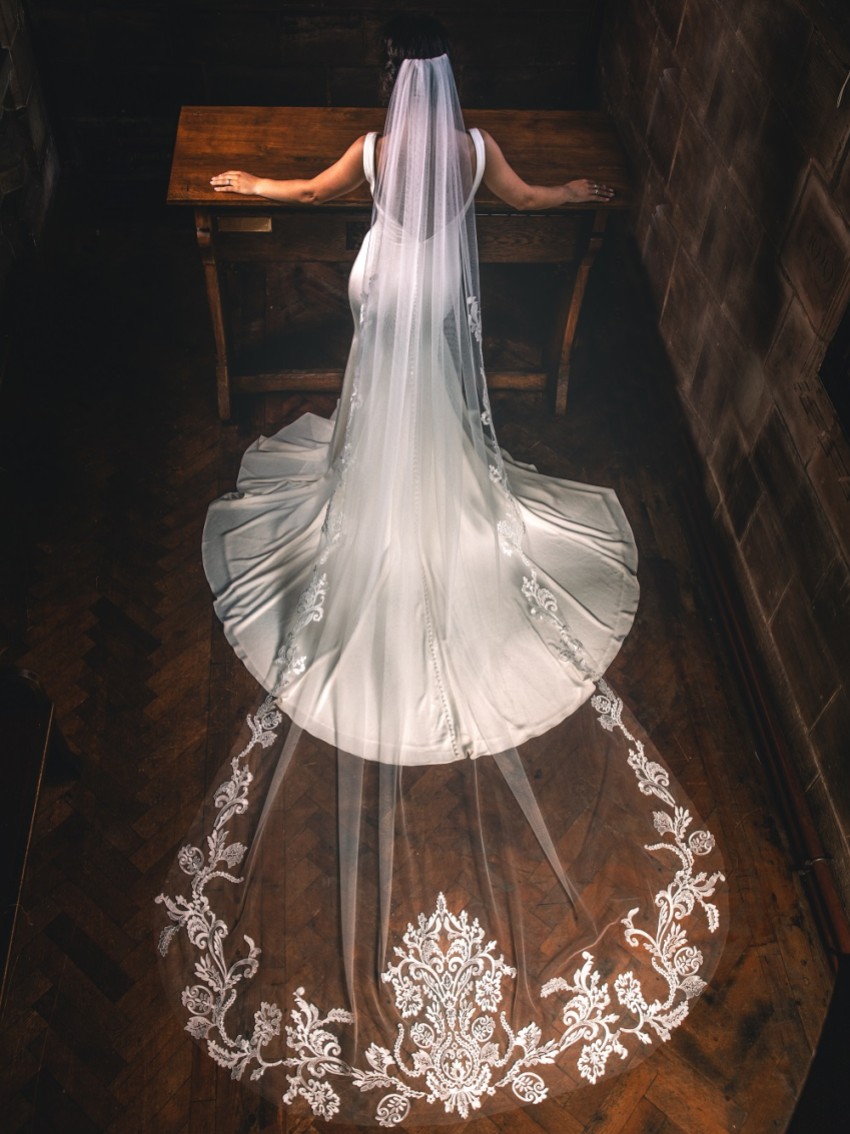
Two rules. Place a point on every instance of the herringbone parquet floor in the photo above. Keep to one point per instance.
(112, 452)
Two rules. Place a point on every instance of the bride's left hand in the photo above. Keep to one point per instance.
(585, 189)
(235, 181)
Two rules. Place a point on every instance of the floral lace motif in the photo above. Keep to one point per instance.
(310, 608)
(542, 603)
(446, 981)
(209, 1001)
(473, 314)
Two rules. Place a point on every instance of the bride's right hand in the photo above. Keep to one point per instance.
(235, 181)
(585, 189)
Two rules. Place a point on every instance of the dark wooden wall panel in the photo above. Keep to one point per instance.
(118, 73)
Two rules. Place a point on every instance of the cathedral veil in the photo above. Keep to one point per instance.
(444, 872)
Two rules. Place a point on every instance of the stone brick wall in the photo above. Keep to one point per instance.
(119, 72)
(28, 166)
(728, 108)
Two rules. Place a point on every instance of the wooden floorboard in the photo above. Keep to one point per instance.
(110, 410)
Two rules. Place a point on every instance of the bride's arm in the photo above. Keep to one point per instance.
(335, 181)
(501, 179)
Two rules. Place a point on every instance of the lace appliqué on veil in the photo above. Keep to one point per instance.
(446, 981)
(310, 608)
(542, 604)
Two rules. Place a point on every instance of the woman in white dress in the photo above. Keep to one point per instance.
(419, 606)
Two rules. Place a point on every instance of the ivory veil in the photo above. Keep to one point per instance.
(444, 871)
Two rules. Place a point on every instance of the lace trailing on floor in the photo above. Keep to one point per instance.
(454, 1046)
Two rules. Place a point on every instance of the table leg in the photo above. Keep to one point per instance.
(565, 332)
(206, 244)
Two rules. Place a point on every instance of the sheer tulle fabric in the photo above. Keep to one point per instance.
(390, 911)
(388, 944)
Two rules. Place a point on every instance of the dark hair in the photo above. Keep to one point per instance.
(410, 36)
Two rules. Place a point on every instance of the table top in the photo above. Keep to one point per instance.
(544, 146)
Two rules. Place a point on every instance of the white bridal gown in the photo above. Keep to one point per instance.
(444, 872)
(491, 678)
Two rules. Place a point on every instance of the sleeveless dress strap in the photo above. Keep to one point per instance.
(480, 157)
(369, 145)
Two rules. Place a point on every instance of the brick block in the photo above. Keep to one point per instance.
(829, 470)
(770, 572)
(771, 174)
(662, 132)
(615, 80)
(691, 182)
(816, 255)
(736, 104)
(721, 359)
(631, 131)
(831, 739)
(750, 398)
(831, 608)
(821, 129)
(684, 314)
(810, 671)
(700, 47)
(730, 234)
(756, 294)
(775, 37)
(793, 345)
(814, 549)
(819, 796)
(742, 487)
(669, 15)
(652, 197)
(790, 357)
(778, 464)
(646, 56)
(659, 252)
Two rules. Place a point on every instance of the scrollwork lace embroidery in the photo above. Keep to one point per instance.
(310, 608)
(453, 1046)
(542, 603)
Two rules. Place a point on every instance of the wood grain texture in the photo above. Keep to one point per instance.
(544, 146)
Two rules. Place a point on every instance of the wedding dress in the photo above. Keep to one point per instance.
(449, 918)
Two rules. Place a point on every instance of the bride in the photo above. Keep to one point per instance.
(479, 909)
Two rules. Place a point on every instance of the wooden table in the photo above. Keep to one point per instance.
(281, 142)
